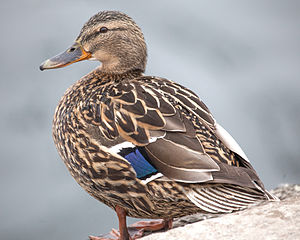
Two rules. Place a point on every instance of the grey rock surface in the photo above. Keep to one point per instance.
(268, 221)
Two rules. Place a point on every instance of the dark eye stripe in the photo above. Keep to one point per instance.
(94, 34)
(118, 29)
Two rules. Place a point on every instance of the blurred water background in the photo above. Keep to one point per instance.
(241, 57)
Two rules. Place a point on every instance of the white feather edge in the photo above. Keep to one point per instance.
(149, 179)
(117, 148)
(229, 141)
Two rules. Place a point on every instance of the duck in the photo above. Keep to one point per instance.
(145, 146)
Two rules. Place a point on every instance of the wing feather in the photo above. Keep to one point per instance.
(172, 123)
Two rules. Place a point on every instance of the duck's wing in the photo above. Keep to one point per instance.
(168, 131)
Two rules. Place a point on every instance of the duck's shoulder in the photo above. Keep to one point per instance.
(137, 105)
(165, 85)
(182, 98)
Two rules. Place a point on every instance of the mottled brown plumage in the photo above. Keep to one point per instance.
(145, 146)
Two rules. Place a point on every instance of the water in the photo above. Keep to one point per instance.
(241, 58)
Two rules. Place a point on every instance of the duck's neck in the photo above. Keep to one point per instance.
(100, 76)
(124, 60)
(90, 83)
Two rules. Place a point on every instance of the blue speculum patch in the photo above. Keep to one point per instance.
(139, 163)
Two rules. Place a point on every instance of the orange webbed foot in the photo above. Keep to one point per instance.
(135, 230)
(154, 225)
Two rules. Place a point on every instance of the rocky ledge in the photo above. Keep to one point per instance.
(267, 221)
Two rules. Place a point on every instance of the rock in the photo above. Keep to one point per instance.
(268, 221)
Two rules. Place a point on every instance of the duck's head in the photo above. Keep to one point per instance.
(110, 37)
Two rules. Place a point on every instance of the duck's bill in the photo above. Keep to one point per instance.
(74, 54)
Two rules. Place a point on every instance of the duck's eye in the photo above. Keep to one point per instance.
(103, 30)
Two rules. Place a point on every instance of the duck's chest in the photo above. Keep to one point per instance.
(74, 136)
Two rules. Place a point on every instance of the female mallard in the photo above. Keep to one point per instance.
(145, 146)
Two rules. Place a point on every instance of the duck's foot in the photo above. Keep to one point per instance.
(154, 225)
(137, 230)
(114, 234)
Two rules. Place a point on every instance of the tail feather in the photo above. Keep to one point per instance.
(226, 198)
(269, 196)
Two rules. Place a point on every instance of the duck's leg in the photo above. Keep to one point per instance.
(136, 230)
(123, 233)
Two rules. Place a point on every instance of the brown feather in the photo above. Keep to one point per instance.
(116, 107)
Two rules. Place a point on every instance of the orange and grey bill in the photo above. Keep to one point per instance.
(73, 54)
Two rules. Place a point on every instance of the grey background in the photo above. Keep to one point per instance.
(241, 57)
